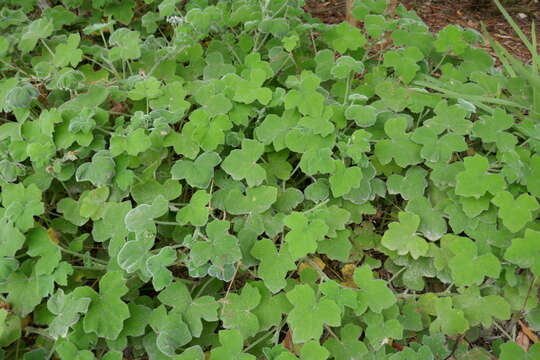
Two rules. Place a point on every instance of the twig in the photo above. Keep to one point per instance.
(454, 348)
(502, 330)
(528, 294)
(229, 287)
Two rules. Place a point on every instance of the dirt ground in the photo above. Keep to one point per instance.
(467, 13)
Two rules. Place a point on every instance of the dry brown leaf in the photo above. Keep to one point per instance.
(53, 235)
(527, 331)
(287, 341)
(347, 272)
(523, 341)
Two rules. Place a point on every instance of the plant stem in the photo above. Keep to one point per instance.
(317, 206)
(82, 256)
(171, 223)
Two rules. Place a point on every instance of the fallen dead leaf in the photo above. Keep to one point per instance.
(527, 331)
(347, 272)
(53, 235)
(523, 341)
(287, 341)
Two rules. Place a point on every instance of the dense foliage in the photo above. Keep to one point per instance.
(235, 180)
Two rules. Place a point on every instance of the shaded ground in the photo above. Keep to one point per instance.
(467, 13)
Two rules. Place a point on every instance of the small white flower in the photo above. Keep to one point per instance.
(175, 20)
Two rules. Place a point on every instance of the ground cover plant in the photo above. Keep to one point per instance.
(224, 180)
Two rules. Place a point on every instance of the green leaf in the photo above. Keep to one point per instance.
(374, 292)
(70, 209)
(91, 203)
(249, 89)
(320, 124)
(26, 292)
(482, 309)
(142, 217)
(304, 234)
(193, 310)
(107, 312)
(432, 222)
(512, 351)
(467, 266)
(20, 97)
(171, 98)
(344, 179)
(68, 309)
(450, 40)
(68, 53)
(146, 192)
(196, 212)
(257, 200)
(138, 320)
(449, 321)
(475, 180)
(404, 62)
(410, 186)
(10, 330)
(533, 185)
(40, 244)
(348, 346)
(173, 333)
(515, 213)
(345, 66)
(399, 147)
(236, 312)
(12, 239)
(216, 66)
(127, 44)
(36, 30)
(198, 173)
(288, 200)
(60, 16)
(306, 98)
(100, 171)
(341, 295)
(313, 350)
(290, 42)
(337, 248)
(363, 115)
(324, 60)
(231, 347)
(317, 161)
(438, 149)
(362, 9)
(273, 129)
(308, 316)
(221, 250)
(274, 265)
(157, 267)
(148, 88)
(343, 37)
(379, 329)
(491, 129)
(242, 164)
(359, 145)
(133, 144)
(451, 118)
(524, 251)
(112, 225)
(271, 308)
(401, 237)
(22, 204)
